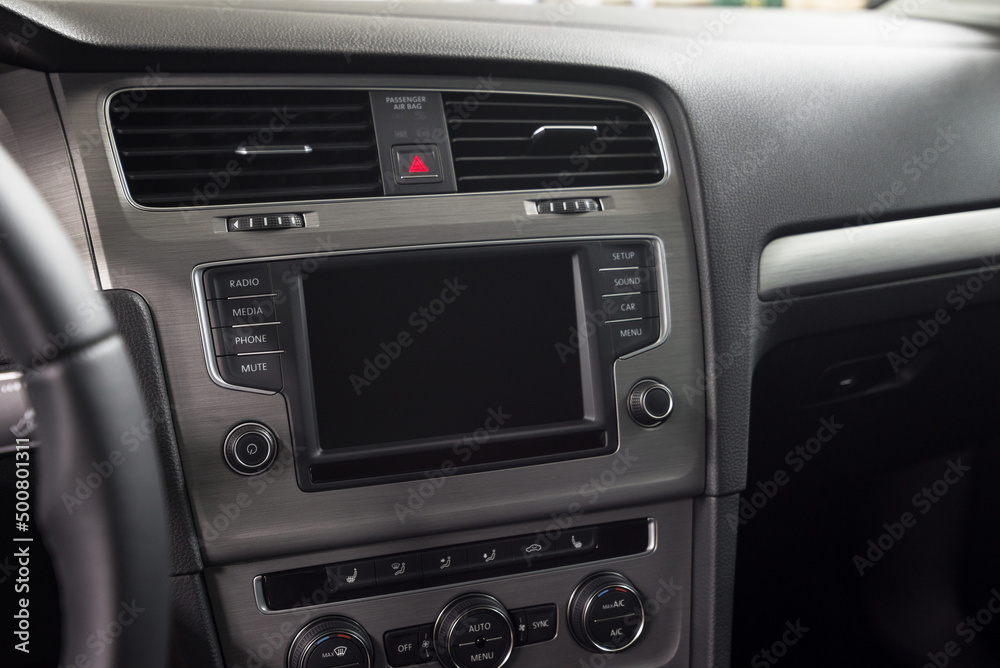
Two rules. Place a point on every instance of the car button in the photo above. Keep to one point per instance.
(238, 281)
(399, 568)
(346, 577)
(541, 622)
(261, 372)
(490, 554)
(417, 164)
(532, 547)
(629, 307)
(240, 340)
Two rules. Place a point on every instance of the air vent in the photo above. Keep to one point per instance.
(548, 142)
(201, 147)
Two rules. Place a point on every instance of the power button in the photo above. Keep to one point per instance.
(250, 448)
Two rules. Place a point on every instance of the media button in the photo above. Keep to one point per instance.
(346, 577)
(439, 563)
(491, 554)
(250, 311)
(630, 336)
(399, 568)
(239, 340)
(241, 280)
(261, 372)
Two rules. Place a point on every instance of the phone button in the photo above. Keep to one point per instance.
(398, 568)
(346, 577)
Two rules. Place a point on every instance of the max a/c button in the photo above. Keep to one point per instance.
(417, 164)
(261, 372)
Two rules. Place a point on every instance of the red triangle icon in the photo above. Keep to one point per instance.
(418, 165)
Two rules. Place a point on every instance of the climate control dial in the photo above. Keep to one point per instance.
(474, 631)
(605, 613)
(331, 642)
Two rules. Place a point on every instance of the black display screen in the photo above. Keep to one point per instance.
(443, 344)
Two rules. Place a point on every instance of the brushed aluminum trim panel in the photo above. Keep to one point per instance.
(240, 519)
(31, 132)
(211, 362)
(662, 575)
(851, 257)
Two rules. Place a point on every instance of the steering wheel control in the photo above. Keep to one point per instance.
(605, 613)
(331, 642)
(650, 402)
(250, 448)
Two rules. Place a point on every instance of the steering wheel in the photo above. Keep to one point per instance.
(110, 551)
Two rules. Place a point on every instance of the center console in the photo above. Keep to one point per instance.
(445, 419)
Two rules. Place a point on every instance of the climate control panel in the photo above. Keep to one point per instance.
(475, 630)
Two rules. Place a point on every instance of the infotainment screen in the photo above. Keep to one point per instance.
(431, 345)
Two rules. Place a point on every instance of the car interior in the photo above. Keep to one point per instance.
(571, 334)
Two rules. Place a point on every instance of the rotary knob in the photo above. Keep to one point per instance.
(474, 631)
(650, 402)
(250, 448)
(605, 613)
(331, 642)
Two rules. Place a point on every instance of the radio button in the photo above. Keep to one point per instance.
(617, 254)
(238, 281)
(619, 281)
(239, 340)
(628, 336)
(261, 372)
(229, 312)
(630, 307)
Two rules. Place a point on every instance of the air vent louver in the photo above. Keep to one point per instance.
(199, 147)
(548, 142)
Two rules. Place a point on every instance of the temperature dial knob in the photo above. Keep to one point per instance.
(474, 631)
(331, 642)
(605, 613)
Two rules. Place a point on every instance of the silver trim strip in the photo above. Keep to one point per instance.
(258, 581)
(205, 325)
(273, 150)
(863, 255)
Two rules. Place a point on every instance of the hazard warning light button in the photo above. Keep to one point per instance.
(417, 164)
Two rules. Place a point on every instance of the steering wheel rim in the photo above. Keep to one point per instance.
(110, 549)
